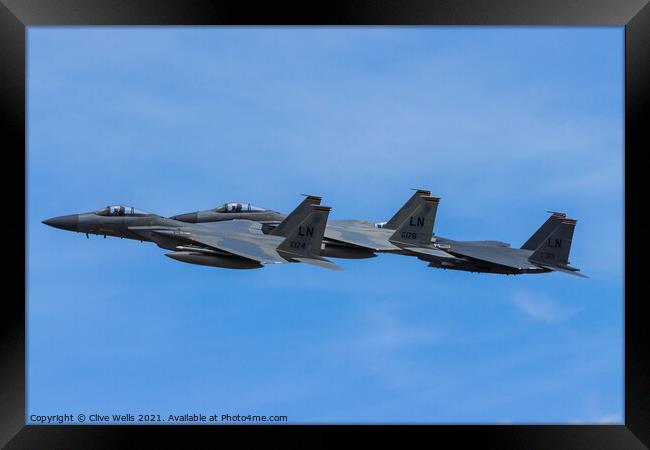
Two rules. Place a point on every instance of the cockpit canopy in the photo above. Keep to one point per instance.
(238, 208)
(121, 211)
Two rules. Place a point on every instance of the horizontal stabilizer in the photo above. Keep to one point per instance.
(325, 263)
(574, 272)
(431, 252)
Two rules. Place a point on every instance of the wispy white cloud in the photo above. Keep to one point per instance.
(541, 307)
(385, 332)
(383, 336)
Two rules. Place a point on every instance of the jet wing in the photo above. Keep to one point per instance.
(372, 239)
(230, 226)
(503, 256)
(244, 238)
(349, 223)
(239, 238)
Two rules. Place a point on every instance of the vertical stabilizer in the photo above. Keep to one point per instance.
(296, 216)
(417, 228)
(305, 239)
(554, 249)
(542, 232)
(406, 209)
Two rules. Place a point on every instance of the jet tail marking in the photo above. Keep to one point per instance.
(542, 232)
(406, 209)
(305, 239)
(417, 227)
(297, 216)
(554, 249)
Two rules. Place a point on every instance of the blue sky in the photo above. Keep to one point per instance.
(502, 123)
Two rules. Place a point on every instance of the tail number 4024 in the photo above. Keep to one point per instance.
(297, 244)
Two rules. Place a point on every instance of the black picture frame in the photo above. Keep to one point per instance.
(16, 15)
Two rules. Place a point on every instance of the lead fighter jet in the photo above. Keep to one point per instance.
(234, 244)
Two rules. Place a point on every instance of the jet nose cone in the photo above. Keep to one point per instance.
(64, 222)
(189, 217)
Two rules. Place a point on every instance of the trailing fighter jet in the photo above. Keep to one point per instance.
(547, 250)
(234, 244)
(230, 211)
(233, 210)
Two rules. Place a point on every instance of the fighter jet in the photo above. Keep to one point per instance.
(547, 250)
(407, 232)
(234, 244)
(230, 211)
